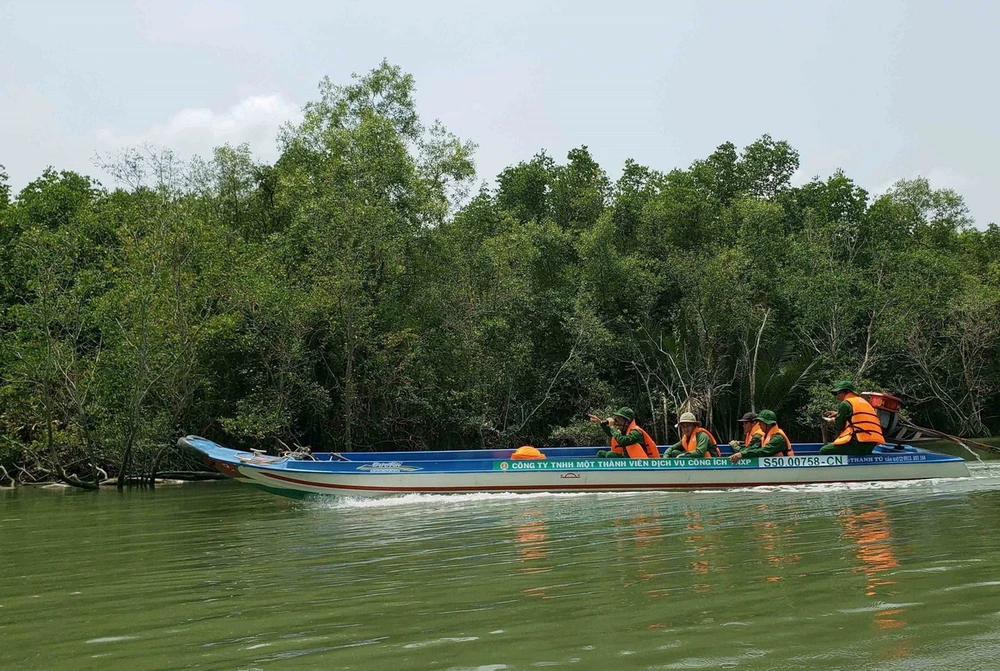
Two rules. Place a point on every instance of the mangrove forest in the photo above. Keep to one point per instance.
(368, 291)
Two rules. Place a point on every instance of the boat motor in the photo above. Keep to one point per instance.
(887, 407)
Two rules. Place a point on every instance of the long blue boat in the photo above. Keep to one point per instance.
(565, 469)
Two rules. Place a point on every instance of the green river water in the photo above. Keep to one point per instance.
(222, 576)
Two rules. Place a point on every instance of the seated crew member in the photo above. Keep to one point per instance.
(857, 425)
(695, 441)
(774, 443)
(627, 438)
(752, 432)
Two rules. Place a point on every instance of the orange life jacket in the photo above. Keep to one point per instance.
(690, 444)
(527, 452)
(646, 449)
(775, 431)
(753, 430)
(863, 424)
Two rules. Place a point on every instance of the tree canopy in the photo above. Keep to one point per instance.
(358, 294)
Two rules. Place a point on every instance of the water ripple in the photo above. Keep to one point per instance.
(222, 576)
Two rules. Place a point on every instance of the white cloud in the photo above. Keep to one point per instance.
(254, 120)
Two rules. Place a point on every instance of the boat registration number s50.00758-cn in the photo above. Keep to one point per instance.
(809, 460)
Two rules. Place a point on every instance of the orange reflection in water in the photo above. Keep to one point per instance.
(646, 530)
(531, 539)
(884, 619)
(871, 532)
(701, 539)
(771, 538)
(694, 524)
(699, 566)
(657, 593)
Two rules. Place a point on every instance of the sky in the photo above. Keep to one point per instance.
(884, 90)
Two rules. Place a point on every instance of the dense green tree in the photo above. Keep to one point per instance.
(525, 189)
(354, 296)
(4, 188)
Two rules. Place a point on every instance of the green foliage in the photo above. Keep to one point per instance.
(4, 188)
(353, 296)
(525, 189)
(54, 199)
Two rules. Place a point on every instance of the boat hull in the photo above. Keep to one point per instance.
(371, 474)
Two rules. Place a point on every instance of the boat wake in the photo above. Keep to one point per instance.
(985, 475)
(441, 499)
(820, 487)
(985, 469)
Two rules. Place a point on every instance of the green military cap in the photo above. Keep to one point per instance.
(843, 385)
(627, 413)
(767, 417)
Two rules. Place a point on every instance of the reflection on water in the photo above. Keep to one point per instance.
(697, 540)
(645, 530)
(871, 532)
(869, 529)
(773, 534)
(530, 538)
(220, 576)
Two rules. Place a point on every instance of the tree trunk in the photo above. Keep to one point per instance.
(349, 390)
(53, 454)
(126, 462)
(156, 465)
(666, 419)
